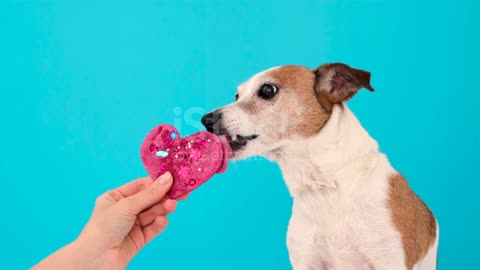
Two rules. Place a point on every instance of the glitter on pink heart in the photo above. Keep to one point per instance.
(195, 154)
(153, 147)
(165, 134)
(192, 160)
(192, 182)
(183, 171)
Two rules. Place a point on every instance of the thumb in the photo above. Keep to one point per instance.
(148, 197)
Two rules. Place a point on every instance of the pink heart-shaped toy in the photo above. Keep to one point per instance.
(191, 160)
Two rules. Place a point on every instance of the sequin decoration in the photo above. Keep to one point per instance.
(161, 153)
(192, 182)
(173, 135)
(201, 142)
(153, 147)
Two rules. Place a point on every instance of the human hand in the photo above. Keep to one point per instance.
(127, 218)
(124, 221)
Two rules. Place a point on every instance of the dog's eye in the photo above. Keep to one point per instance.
(267, 91)
(236, 97)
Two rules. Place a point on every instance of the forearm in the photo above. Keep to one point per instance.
(75, 256)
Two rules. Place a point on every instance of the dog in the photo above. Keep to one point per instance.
(351, 209)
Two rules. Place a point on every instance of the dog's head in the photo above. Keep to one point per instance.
(282, 104)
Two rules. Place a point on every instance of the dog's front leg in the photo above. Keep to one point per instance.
(304, 252)
(304, 256)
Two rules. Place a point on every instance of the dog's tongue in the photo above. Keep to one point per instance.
(227, 153)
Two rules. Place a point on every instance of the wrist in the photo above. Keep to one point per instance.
(90, 245)
(95, 256)
(85, 250)
(86, 256)
(76, 256)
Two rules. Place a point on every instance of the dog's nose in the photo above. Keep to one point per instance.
(211, 121)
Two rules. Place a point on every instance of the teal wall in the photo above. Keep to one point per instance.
(82, 83)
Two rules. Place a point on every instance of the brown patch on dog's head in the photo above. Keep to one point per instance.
(299, 83)
(301, 104)
(413, 219)
(293, 111)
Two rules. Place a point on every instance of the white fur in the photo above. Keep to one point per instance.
(240, 122)
(339, 182)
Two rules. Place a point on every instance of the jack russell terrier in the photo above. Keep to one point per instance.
(351, 209)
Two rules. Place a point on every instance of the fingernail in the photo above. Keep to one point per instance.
(165, 178)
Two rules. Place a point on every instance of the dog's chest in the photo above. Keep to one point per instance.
(348, 215)
(335, 221)
(338, 232)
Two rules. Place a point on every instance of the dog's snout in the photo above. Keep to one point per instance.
(211, 121)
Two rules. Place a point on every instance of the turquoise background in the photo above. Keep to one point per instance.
(82, 83)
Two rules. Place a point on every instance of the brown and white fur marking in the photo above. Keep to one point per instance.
(351, 209)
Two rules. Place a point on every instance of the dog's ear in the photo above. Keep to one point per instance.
(335, 83)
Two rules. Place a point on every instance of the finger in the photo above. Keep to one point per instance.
(134, 186)
(110, 197)
(151, 195)
(160, 209)
(137, 221)
(154, 229)
(184, 197)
